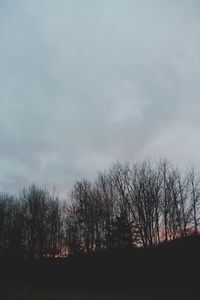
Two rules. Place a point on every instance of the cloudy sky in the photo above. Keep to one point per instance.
(86, 83)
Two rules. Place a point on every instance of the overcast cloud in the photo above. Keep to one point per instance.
(84, 83)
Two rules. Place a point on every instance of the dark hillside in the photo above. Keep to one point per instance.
(172, 265)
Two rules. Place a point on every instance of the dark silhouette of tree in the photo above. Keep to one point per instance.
(141, 203)
(194, 188)
(121, 235)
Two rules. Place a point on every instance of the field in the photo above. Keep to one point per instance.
(167, 272)
(28, 293)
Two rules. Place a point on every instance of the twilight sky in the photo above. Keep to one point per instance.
(84, 83)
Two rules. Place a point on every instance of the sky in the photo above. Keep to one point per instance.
(86, 83)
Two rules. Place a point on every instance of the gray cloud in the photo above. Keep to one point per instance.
(83, 83)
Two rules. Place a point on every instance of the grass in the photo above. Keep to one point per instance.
(168, 272)
(30, 293)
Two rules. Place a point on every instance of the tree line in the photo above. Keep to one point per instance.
(139, 204)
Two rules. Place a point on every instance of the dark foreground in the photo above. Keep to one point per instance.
(170, 271)
(42, 294)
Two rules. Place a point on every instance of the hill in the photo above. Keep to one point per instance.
(168, 266)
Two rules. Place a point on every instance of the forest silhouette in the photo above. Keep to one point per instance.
(135, 225)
